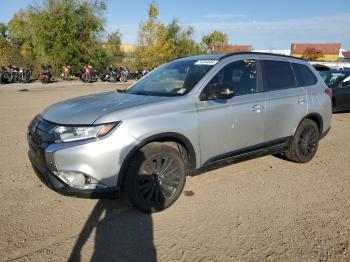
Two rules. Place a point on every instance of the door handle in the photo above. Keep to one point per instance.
(301, 100)
(257, 108)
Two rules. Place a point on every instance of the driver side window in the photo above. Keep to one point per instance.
(240, 75)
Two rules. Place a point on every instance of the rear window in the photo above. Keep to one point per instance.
(278, 75)
(304, 75)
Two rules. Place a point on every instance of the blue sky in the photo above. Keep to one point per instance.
(265, 24)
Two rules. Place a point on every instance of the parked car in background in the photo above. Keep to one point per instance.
(339, 82)
(183, 117)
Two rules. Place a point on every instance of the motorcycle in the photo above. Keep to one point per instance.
(25, 74)
(123, 74)
(3, 75)
(89, 75)
(45, 75)
(66, 75)
(109, 75)
(13, 74)
(138, 74)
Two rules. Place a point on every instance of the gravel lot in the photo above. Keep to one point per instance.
(258, 210)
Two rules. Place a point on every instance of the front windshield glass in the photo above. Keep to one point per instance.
(173, 79)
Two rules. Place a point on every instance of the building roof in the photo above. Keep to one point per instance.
(326, 49)
(231, 48)
(346, 54)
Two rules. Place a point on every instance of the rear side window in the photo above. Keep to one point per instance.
(304, 75)
(278, 75)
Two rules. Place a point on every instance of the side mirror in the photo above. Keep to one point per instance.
(217, 92)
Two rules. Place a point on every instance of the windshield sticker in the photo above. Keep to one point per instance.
(206, 62)
(181, 90)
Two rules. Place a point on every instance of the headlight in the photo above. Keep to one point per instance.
(71, 133)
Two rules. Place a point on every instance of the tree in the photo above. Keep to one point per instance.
(59, 32)
(311, 54)
(112, 47)
(181, 40)
(152, 48)
(158, 43)
(215, 38)
(3, 31)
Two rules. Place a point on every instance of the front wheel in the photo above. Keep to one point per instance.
(155, 177)
(304, 143)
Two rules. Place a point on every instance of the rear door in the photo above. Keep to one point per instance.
(286, 102)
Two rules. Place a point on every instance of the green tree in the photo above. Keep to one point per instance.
(181, 40)
(112, 47)
(215, 38)
(59, 32)
(3, 31)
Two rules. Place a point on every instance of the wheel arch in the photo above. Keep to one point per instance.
(161, 137)
(317, 118)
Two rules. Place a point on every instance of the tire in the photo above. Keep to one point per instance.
(113, 79)
(155, 177)
(304, 143)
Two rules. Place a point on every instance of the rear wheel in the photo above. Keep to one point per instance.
(304, 143)
(155, 177)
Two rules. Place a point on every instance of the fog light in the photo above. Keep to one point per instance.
(79, 180)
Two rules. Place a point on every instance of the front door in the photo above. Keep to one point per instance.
(236, 123)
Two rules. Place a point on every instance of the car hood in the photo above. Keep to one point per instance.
(86, 110)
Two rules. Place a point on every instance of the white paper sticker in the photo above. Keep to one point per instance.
(206, 62)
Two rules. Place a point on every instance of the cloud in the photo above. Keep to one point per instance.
(224, 16)
(280, 34)
(266, 34)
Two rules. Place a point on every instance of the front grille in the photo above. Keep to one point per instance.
(39, 137)
(40, 129)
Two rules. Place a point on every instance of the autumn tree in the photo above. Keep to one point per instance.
(215, 38)
(311, 54)
(159, 43)
(152, 48)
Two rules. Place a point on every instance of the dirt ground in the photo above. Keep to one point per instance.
(265, 209)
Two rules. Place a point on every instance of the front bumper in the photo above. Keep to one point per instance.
(54, 183)
(98, 160)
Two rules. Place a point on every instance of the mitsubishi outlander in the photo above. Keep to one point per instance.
(182, 118)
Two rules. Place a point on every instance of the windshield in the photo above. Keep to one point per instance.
(335, 79)
(173, 79)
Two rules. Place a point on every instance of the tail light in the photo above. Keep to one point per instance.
(329, 92)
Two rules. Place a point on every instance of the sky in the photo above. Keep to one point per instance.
(264, 24)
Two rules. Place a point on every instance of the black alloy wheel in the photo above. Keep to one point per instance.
(156, 177)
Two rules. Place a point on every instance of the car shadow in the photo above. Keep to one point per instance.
(121, 234)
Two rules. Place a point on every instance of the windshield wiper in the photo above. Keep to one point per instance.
(141, 93)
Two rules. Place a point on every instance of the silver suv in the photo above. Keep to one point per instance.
(184, 117)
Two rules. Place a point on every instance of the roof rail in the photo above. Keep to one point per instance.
(259, 53)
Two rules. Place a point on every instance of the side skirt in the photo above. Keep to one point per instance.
(259, 150)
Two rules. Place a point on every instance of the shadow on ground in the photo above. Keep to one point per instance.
(122, 234)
